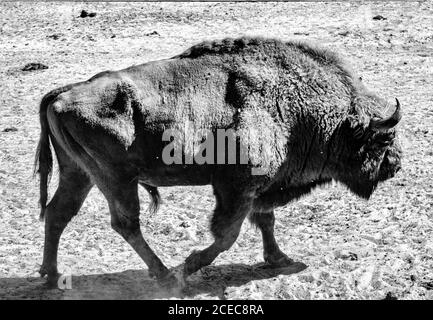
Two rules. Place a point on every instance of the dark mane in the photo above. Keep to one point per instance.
(235, 45)
(228, 45)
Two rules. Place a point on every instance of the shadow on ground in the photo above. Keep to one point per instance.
(136, 284)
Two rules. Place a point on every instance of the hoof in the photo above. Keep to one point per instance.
(52, 281)
(43, 271)
(280, 262)
(192, 263)
(52, 277)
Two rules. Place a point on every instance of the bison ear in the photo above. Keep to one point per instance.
(357, 121)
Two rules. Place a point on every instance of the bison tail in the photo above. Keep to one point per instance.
(155, 198)
(44, 159)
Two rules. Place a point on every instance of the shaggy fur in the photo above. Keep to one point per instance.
(302, 113)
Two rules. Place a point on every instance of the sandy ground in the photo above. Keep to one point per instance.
(354, 249)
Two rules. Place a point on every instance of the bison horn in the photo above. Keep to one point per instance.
(385, 124)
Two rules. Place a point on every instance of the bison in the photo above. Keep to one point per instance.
(309, 118)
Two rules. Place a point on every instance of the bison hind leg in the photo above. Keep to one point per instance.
(74, 185)
(122, 197)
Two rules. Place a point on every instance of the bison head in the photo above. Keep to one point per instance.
(369, 152)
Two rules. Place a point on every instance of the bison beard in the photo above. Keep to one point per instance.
(318, 120)
(363, 189)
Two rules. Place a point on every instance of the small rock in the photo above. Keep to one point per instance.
(427, 285)
(10, 129)
(184, 224)
(353, 256)
(153, 33)
(344, 33)
(346, 255)
(85, 14)
(379, 17)
(34, 66)
(54, 36)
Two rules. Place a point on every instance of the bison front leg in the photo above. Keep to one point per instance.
(271, 252)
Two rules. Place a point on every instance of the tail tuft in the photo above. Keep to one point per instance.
(44, 159)
(155, 198)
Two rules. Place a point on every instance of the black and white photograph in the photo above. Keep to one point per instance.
(216, 151)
